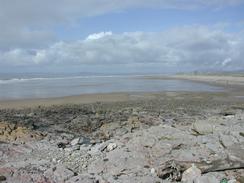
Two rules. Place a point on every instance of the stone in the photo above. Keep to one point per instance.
(2, 178)
(153, 171)
(97, 149)
(227, 140)
(14, 133)
(191, 174)
(84, 140)
(232, 181)
(72, 148)
(61, 145)
(111, 146)
(80, 141)
(75, 141)
(59, 173)
(206, 179)
(241, 179)
(202, 128)
(81, 179)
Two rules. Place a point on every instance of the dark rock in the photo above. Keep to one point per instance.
(2, 178)
(241, 179)
(61, 145)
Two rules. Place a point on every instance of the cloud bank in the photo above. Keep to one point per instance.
(26, 23)
(189, 47)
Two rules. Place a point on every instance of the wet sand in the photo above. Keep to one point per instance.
(233, 86)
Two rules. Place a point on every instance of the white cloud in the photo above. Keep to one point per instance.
(98, 35)
(226, 61)
(188, 47)
(29, 23)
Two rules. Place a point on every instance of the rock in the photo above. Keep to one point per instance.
(153, 171)
(206, 179)
(81, 179)
(202, 128)
(80, 141)
(75, 141)
(241, 179)
(227, 140)
(224, 180)
(72, 148)
(14, 133)
(59, 173)
(61, 145)
(2, 178)
(191, 174)
(97, 149)
(236, 152)
(84, 140)
(111, 146)
(232, 181)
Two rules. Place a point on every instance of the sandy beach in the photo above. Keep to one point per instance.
(125, 137)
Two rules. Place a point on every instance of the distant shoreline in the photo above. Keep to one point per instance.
(236, 84)
(217, 80)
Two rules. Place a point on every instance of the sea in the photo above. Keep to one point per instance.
(32, 86)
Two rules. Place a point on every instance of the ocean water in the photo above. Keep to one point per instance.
(39, 86)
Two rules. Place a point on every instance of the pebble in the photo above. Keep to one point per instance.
(111, 146)
(153, 171)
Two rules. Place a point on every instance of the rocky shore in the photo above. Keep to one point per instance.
(193, 137)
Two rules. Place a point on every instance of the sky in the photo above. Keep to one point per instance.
(114, 36)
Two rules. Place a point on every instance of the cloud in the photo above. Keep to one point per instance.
(98, 35)
(30, 23)
(193, 47)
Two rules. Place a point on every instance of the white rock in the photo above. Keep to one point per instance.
(111, 146)
(153, 171)
(229, 116)
(75, 141)
(191, 174)
(232, 181)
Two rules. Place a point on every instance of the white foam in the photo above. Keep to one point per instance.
(19, 80)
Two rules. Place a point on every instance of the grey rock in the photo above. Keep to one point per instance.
(227, 140)
(202, 127)
(59, 173)
(97, 149)
(81, 179)
(207, 179)
(236, 152)
(232, 181)
(80, 140)
(191, 174)
(111, 146)
(75, 141)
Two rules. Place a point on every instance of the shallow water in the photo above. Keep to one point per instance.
(68, 86)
